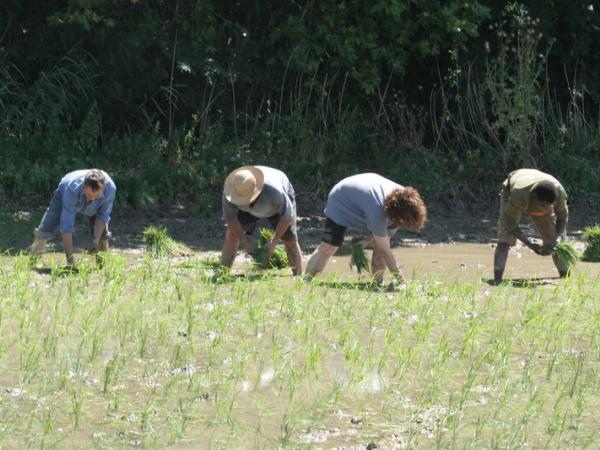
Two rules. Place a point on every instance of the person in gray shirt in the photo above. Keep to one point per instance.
(368, 202)
(251, 193)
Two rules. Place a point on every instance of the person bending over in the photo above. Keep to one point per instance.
(543, 198)
(372, 203)
(251, 193)
(90, 192)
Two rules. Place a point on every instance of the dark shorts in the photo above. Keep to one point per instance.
(333, 233)
(248, 222)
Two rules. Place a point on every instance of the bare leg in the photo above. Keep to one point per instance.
(38, 246)
(562, 269)
(292, 248)
(230, 248)
(377, 266)
(500, 257)
(318, 260)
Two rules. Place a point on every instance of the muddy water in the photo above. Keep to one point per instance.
(465, 262)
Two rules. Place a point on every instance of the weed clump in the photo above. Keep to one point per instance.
(278, 260)
(591, 237)
(159, 243)
(567, 255)
(358, 258)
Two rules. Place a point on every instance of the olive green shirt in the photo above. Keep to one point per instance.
(516, 190)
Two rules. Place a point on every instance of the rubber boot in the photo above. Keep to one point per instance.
(500, 257)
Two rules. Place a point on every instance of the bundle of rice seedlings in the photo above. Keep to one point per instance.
(359, 259)
(159, 243)
(591, 237)
(278, 260)
(567, 255)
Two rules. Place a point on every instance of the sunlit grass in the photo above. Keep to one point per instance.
(155, 352)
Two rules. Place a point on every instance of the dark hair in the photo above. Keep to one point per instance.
(95, 180)
(545, 191)
(405, 208)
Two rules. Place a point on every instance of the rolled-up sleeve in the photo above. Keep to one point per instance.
(229, 209)
(69, 209)
(106, 207)
(561, 209)
(287, 209)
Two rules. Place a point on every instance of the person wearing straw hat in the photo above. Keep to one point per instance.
(368, 202)
(544, 199)
(89, 192)
(251, 193)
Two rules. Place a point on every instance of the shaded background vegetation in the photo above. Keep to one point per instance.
(169, 96)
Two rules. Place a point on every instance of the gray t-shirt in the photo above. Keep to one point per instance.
(357, 202)
(277, 197)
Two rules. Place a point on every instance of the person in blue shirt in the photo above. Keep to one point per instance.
(88, 192)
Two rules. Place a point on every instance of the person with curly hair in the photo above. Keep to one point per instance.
(368, 202)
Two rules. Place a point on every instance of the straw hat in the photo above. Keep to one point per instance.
(243, 185)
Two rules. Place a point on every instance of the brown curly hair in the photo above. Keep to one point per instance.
(405, 208)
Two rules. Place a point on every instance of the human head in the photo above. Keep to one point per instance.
(244, 185)
(94, 184)
(545, 191)
(405, 208)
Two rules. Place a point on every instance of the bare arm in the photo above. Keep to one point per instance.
(67, 239)
(235, 226)
(281, 228)
(99, 227)
(382, 247)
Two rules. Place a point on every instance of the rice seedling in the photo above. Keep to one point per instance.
(147, 352)
(591, 237)
(210, 269)
(278, 260)
(567, 255)
(358, 258)
(159, 243)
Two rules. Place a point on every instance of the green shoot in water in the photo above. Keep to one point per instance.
(278, 260)
(359, 259)
(566, 254)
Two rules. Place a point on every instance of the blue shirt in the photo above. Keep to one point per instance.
(72, 196)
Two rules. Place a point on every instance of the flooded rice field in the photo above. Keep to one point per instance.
(150, 352)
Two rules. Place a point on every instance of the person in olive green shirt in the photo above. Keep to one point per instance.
(544, 199)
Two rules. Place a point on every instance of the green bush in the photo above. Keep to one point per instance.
(591, 236)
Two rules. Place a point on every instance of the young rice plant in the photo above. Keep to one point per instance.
(278, 260)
